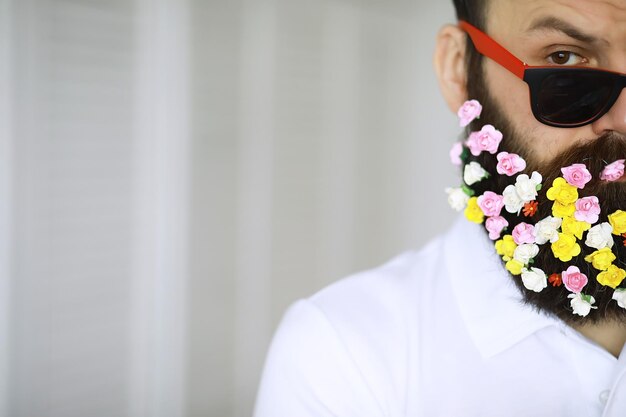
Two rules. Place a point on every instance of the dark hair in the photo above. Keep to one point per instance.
(473, 12)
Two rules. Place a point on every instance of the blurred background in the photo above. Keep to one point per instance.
(175, 173)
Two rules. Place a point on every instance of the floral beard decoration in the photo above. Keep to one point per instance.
(560, 227)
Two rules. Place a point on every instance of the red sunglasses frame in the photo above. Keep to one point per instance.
(533, 75)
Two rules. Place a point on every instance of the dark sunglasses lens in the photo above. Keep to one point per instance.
(573, 97)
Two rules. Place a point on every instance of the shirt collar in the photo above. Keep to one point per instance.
(490, 304)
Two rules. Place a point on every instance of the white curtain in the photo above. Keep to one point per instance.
(173, 174)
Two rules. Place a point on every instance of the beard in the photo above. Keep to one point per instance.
(595, 154)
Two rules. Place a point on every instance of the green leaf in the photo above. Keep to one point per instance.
(464, 154)
(467, 190)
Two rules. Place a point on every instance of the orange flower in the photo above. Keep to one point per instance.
(530, 208)
(555, 280)
(624, 236)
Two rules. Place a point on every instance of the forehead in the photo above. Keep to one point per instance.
(604, 19)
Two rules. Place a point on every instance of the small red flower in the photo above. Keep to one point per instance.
(530, 208)
(624, 236)
(555, 280)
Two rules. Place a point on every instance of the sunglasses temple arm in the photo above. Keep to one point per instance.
(493, 50)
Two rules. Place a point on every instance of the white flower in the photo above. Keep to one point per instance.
(547, 230)
(620, 296)
(457, 198)
(599, 236)
(473, 173)
(525, 252)
(527, 187)
(581, 304)
(512, 202)
(534, 279)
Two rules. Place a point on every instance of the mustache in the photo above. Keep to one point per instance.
(596, 154)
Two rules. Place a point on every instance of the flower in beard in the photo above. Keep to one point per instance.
(612, 277)
(514, 266)
(509, 164)
(563, 210)
(524, 191)
(473, 212)
(495, 225)
(618, 222)
(573, 279)
(505, 247)
(455, 154)
(620, 296)
(547, 230)
(527, 187)
(564, 196)
(577, 175)
(601, 259)
(613, 171)
(490, 203)
(457, 198)
(524, 233)
(581, 303)
(534, 279)
(573, 227)
(562, 192)
(566, 247)
(587, 209)
(525, 253)
(473, 173)
(600, 236)
(469, 111)
(487, 140)
(512, 201)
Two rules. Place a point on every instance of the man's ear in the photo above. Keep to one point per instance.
(449, 62)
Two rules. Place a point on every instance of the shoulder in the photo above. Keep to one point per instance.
(350, 340)
(382, 297)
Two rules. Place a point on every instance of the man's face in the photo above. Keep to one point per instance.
(543, 33)
(555, 32)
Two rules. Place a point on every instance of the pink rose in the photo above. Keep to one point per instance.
(510, 164)
(455, 154)
(587, 209)
(524, 233)
(495, 225)
(577, 175)
(573, 279)
(491, 203)
(469, 111)
(488, 139)
(613, 171)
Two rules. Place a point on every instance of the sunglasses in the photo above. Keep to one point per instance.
(560, 96)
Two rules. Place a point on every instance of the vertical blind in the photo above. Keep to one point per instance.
(173, 174)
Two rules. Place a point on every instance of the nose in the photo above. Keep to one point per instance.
(614, 120)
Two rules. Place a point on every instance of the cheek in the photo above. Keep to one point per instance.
(513, 97)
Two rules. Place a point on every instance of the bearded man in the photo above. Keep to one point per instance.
(520, 309)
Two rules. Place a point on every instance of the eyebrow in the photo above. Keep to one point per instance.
(551, 23)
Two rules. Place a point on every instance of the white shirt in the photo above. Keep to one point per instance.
(439, 332)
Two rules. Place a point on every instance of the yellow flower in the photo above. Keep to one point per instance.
(563, 210)
(506, 247)
(562, 192)
(573, 227)
(601, 259)
(612, 277)
(566, 247)
(514, 267)
(473, 212)
(618, 222)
